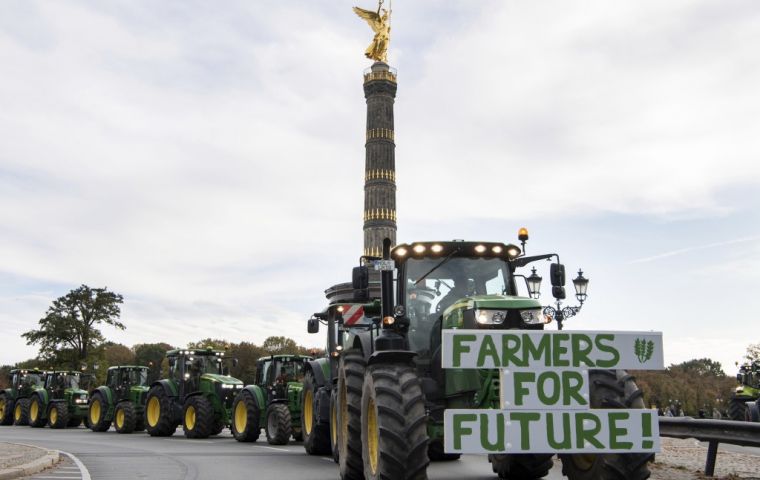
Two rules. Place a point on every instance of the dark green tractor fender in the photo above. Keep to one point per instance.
(45, 401)
(322, 390)
(315, 367)
(107, 395)
(260, 397)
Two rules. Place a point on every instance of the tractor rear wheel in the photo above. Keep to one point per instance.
(278, 424)
(753, 412)
(245, 418)
(197, 417)
(394, 423)
(316, 435)
(610, 389)
(351, 369)
(58, 415)
(737, 408)
(124, 418)
(6, 410)
(522, 466)
(334, 426)
(21, 412)
(158, 413)
(36, 409)
(97, 414)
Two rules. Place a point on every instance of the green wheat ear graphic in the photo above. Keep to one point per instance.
(643, 349)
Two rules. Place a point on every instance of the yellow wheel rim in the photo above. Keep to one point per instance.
(190, 417)
(2, 408)
(308, 412)
(53, 416)
(17, 413)
(372, 436)
(34, 410)
(334, 424)
(95, 412)
(584, 462)
(241, 417)
(120, 418)
(154, 411)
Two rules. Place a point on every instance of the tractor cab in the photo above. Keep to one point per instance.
(194, 369)
(65, 384)
(122, 379)
(24, 382)
(277, 374)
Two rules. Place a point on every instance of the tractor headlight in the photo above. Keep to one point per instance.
(490, 317)
(227, 386)
(533, 317)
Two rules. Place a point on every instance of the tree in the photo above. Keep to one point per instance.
(702, 366)
(5, 372)
(279, 346)
(215, 343)
(118, 354)
(69, 328)
(151, 355)
(753, 352)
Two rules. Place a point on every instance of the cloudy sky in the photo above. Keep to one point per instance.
(205, 159)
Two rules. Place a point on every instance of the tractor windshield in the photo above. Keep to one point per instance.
(31, 380)
(138, 377)
(457, 278)
(64, 380)
(288, 371)
(200, 364)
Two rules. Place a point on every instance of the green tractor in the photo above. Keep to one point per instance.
(62, 402)
(274, 401)
(380, 396)
(14, 401)
(197, 395)
(120, 401)
(748, 390)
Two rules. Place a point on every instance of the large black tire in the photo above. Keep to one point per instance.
(351, 369)
(278, 427)
(436, 453)
(316, 435)
(334, 426)
(21, 412)
(245, 418)
(610, 389)
(58, 415)
(394, 423)
(737, 408)
(97, 414)
(86, 421)
(197, 417)
(753, 412)
(521, 466)
(6, 410)
(37, 411)
(158, 413)
(124, 418)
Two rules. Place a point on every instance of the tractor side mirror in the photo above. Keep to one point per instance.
(312, 325)
(557, 273)
(360, 278)
(558, 293)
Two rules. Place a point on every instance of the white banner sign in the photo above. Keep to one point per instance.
(543, 349)
(540, 389)
(558, 431)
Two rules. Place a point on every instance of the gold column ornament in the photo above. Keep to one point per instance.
(381, 25)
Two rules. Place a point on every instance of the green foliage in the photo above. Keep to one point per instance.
(215, 343)
(5, 371)
(753, 353)
(152, 355)
(279, 345)
(68, 331)
(696, 384)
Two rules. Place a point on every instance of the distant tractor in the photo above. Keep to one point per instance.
(747, 392)
(120, 401)
(197, 395)
(273, 402)
(62, 402)
(14, 400)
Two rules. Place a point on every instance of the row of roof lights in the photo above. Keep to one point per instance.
(420, 249)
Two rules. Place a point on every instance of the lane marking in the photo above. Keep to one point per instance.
(82, 469)
(275, 448)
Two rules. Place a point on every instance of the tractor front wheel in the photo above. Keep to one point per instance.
(245, 418)
(97, 414)
(124, 417)
(316, 435)
(521, 466)
(158, 413)
(6, 410)
(610, 389)
(58, 415)
(197, 417)
(334, 426)
(21, 412)
(278, 424)
(394, 423)
(349, 422)
(737, 408)
(36, 409)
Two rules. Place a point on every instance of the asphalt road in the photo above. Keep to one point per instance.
(110, 456)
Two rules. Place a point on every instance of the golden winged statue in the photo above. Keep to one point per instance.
(380, 22)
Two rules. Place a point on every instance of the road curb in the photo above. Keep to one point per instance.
(50, 458)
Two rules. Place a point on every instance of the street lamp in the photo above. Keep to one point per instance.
(560, 313)
(534, 284)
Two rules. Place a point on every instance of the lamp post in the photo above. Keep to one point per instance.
(561, 313)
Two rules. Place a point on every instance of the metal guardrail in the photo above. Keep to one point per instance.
(714, 432)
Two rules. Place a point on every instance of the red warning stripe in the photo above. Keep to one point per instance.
(352, 314)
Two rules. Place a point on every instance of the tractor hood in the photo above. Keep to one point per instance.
(454, 316)
(223, 379)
